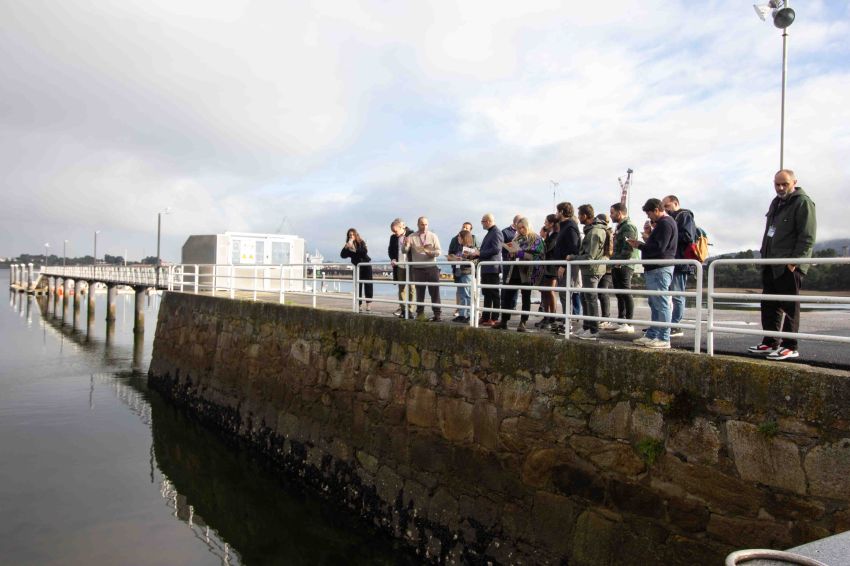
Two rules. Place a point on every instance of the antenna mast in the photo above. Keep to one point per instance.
(554, 191)
(624, 188)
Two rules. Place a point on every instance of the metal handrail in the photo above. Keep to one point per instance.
(570, 289)
(713, 295)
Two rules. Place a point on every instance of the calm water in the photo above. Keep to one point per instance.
(96, 469)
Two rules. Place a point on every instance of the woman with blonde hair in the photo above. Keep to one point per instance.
(529, 248)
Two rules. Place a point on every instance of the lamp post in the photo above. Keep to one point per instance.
(94, 260)
(64, 251)
(783, 16)
(158, 233)
(46, 247)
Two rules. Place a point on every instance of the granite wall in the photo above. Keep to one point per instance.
(477, 445)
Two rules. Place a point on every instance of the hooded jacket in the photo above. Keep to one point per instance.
(593, 247)
(795, 228)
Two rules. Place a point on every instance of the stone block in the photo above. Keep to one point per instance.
(580, 478)
(722, 492)
(429, 359)
(369, 462)
(688, 514)
(543, 384)
(793, 507)
(485, 422)
(609, 456)
(510, 436)
(612, 422)
(538, 465)
(749, 533)
(421, 407)
(515, 395)
(455, 418)
(828, 469)
(388, 484)
(769, 461)
(472, 387)
(443, 509)
(635, 498)
(698, 442)
(595, 541)
(553, 520)
(646, 423)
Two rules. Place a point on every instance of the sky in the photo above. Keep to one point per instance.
(311, 117)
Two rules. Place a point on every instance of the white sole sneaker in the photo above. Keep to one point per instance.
(625, 329)
(587, 335)
(658, 344)
(642, 340)
(783, 354)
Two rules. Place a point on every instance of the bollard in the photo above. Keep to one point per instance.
(139, 311)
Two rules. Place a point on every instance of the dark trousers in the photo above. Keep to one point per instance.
(365, 274)
(621, 277)
(491, 296)
(427, 275)
(789, 283)
(606, 282)
(508, 298)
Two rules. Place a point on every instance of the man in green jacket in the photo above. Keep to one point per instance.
(592, 248)
(789, 233)
(622, 274)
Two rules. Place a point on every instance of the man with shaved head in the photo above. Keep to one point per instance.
(789, 232)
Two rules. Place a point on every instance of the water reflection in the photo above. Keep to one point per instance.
(234, 506)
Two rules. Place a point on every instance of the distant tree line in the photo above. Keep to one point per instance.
(748, 276)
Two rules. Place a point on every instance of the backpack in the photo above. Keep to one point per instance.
(698, 249)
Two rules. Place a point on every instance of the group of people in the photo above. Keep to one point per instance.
(581, 234)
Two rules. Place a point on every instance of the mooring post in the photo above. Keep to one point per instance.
(139, 311)
(30, 277)
(111, 295)
(51, 285)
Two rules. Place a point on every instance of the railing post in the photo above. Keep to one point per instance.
(232, 281)
(698, 313)
(314, 285)
(709, 325)
(355, 292)
(568, 308)
(281, 294)
(473, 299)
(410, 291)
(255, 283)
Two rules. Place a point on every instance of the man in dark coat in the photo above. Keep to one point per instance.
(789, 232)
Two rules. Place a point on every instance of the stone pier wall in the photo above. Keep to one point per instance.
(479, 446)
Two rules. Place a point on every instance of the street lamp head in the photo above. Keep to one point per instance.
(166, 211)
(783, 18)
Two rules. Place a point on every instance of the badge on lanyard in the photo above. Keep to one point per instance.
(771, 231)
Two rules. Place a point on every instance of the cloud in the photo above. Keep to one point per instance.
(240, 114)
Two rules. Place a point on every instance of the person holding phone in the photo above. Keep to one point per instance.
(355, 249)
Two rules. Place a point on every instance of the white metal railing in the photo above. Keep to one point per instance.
(713, 327)
(275, 281)
(570, 289)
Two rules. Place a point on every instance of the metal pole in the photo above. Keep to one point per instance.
(782, 118)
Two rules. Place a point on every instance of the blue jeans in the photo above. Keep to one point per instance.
(464, 294)
(659, 280)
(679, 283)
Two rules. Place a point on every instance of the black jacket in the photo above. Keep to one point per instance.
(359, 255)
(687, 233)
(569, 239)
(392, 249)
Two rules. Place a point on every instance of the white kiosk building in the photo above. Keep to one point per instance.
(245, 261)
